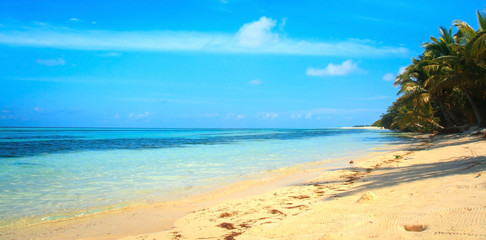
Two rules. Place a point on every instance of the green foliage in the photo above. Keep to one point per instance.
(445, 86)
(377, 123)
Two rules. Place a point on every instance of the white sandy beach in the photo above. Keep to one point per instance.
(436, 189)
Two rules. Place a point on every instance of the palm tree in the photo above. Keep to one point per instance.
(449, 74)
(472, 63)
(459, 62)
(415, 108)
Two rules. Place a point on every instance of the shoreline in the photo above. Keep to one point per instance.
(412, 193)
(102, 225)
(274, 201)
(50, 183)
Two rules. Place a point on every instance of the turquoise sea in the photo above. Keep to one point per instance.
(52, 173)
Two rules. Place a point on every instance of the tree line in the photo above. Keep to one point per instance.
(443, 89)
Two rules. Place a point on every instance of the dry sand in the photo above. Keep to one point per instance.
(437, 190)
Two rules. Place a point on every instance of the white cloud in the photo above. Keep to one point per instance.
(257, 33)
(40, 23)
(51, 62)
(295, 115)
(334, 111)
(344, 68)
(116, 116)
(7, 116)
(232, 116)
(38, 109)
(282, 23)
(402, 69)
(139, 115)
(255, 37)
(110, 54)
(255, 82)
(389, 77)
(269, 115)
(74, 19)
(381, 97)
(300, 115)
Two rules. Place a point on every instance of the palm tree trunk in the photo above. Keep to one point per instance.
(475, 108)
(455, 119)
(453, 116)
(446, 115)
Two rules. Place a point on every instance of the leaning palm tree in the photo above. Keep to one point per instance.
(444, 80)
(472, 63)
(456, 72)
(412, 82)
(415, 110)
(459, 62)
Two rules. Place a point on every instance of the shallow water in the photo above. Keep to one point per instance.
(50, 173)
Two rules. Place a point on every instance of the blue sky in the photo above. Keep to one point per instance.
(209, 63)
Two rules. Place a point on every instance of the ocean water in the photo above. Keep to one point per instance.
(52, 173)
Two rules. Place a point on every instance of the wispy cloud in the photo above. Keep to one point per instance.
(269, 115)
(232, 116)
(51, 62)
(392, 76)
(381, 97)
(164, 100)
(342, 69)
(38, 109)
(257, 37)
(326, 111)
(7, 114)
(255, 82)
(138, 115)
(110, 54)
(317, 113)
(389, 77)
(402, 69)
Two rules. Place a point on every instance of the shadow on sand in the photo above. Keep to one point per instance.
(456, 166)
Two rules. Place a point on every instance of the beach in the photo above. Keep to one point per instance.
(434, 190)
(266, 120)
(433, 187)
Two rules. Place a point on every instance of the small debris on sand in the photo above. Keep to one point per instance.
(231, 236)
(415, 228)
(367, 197)
(275, 211)
(300, 197)
(225, 214)
(228, 226)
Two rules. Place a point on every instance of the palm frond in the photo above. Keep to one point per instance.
(465, 31)
(476, 48)
(481, 22)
